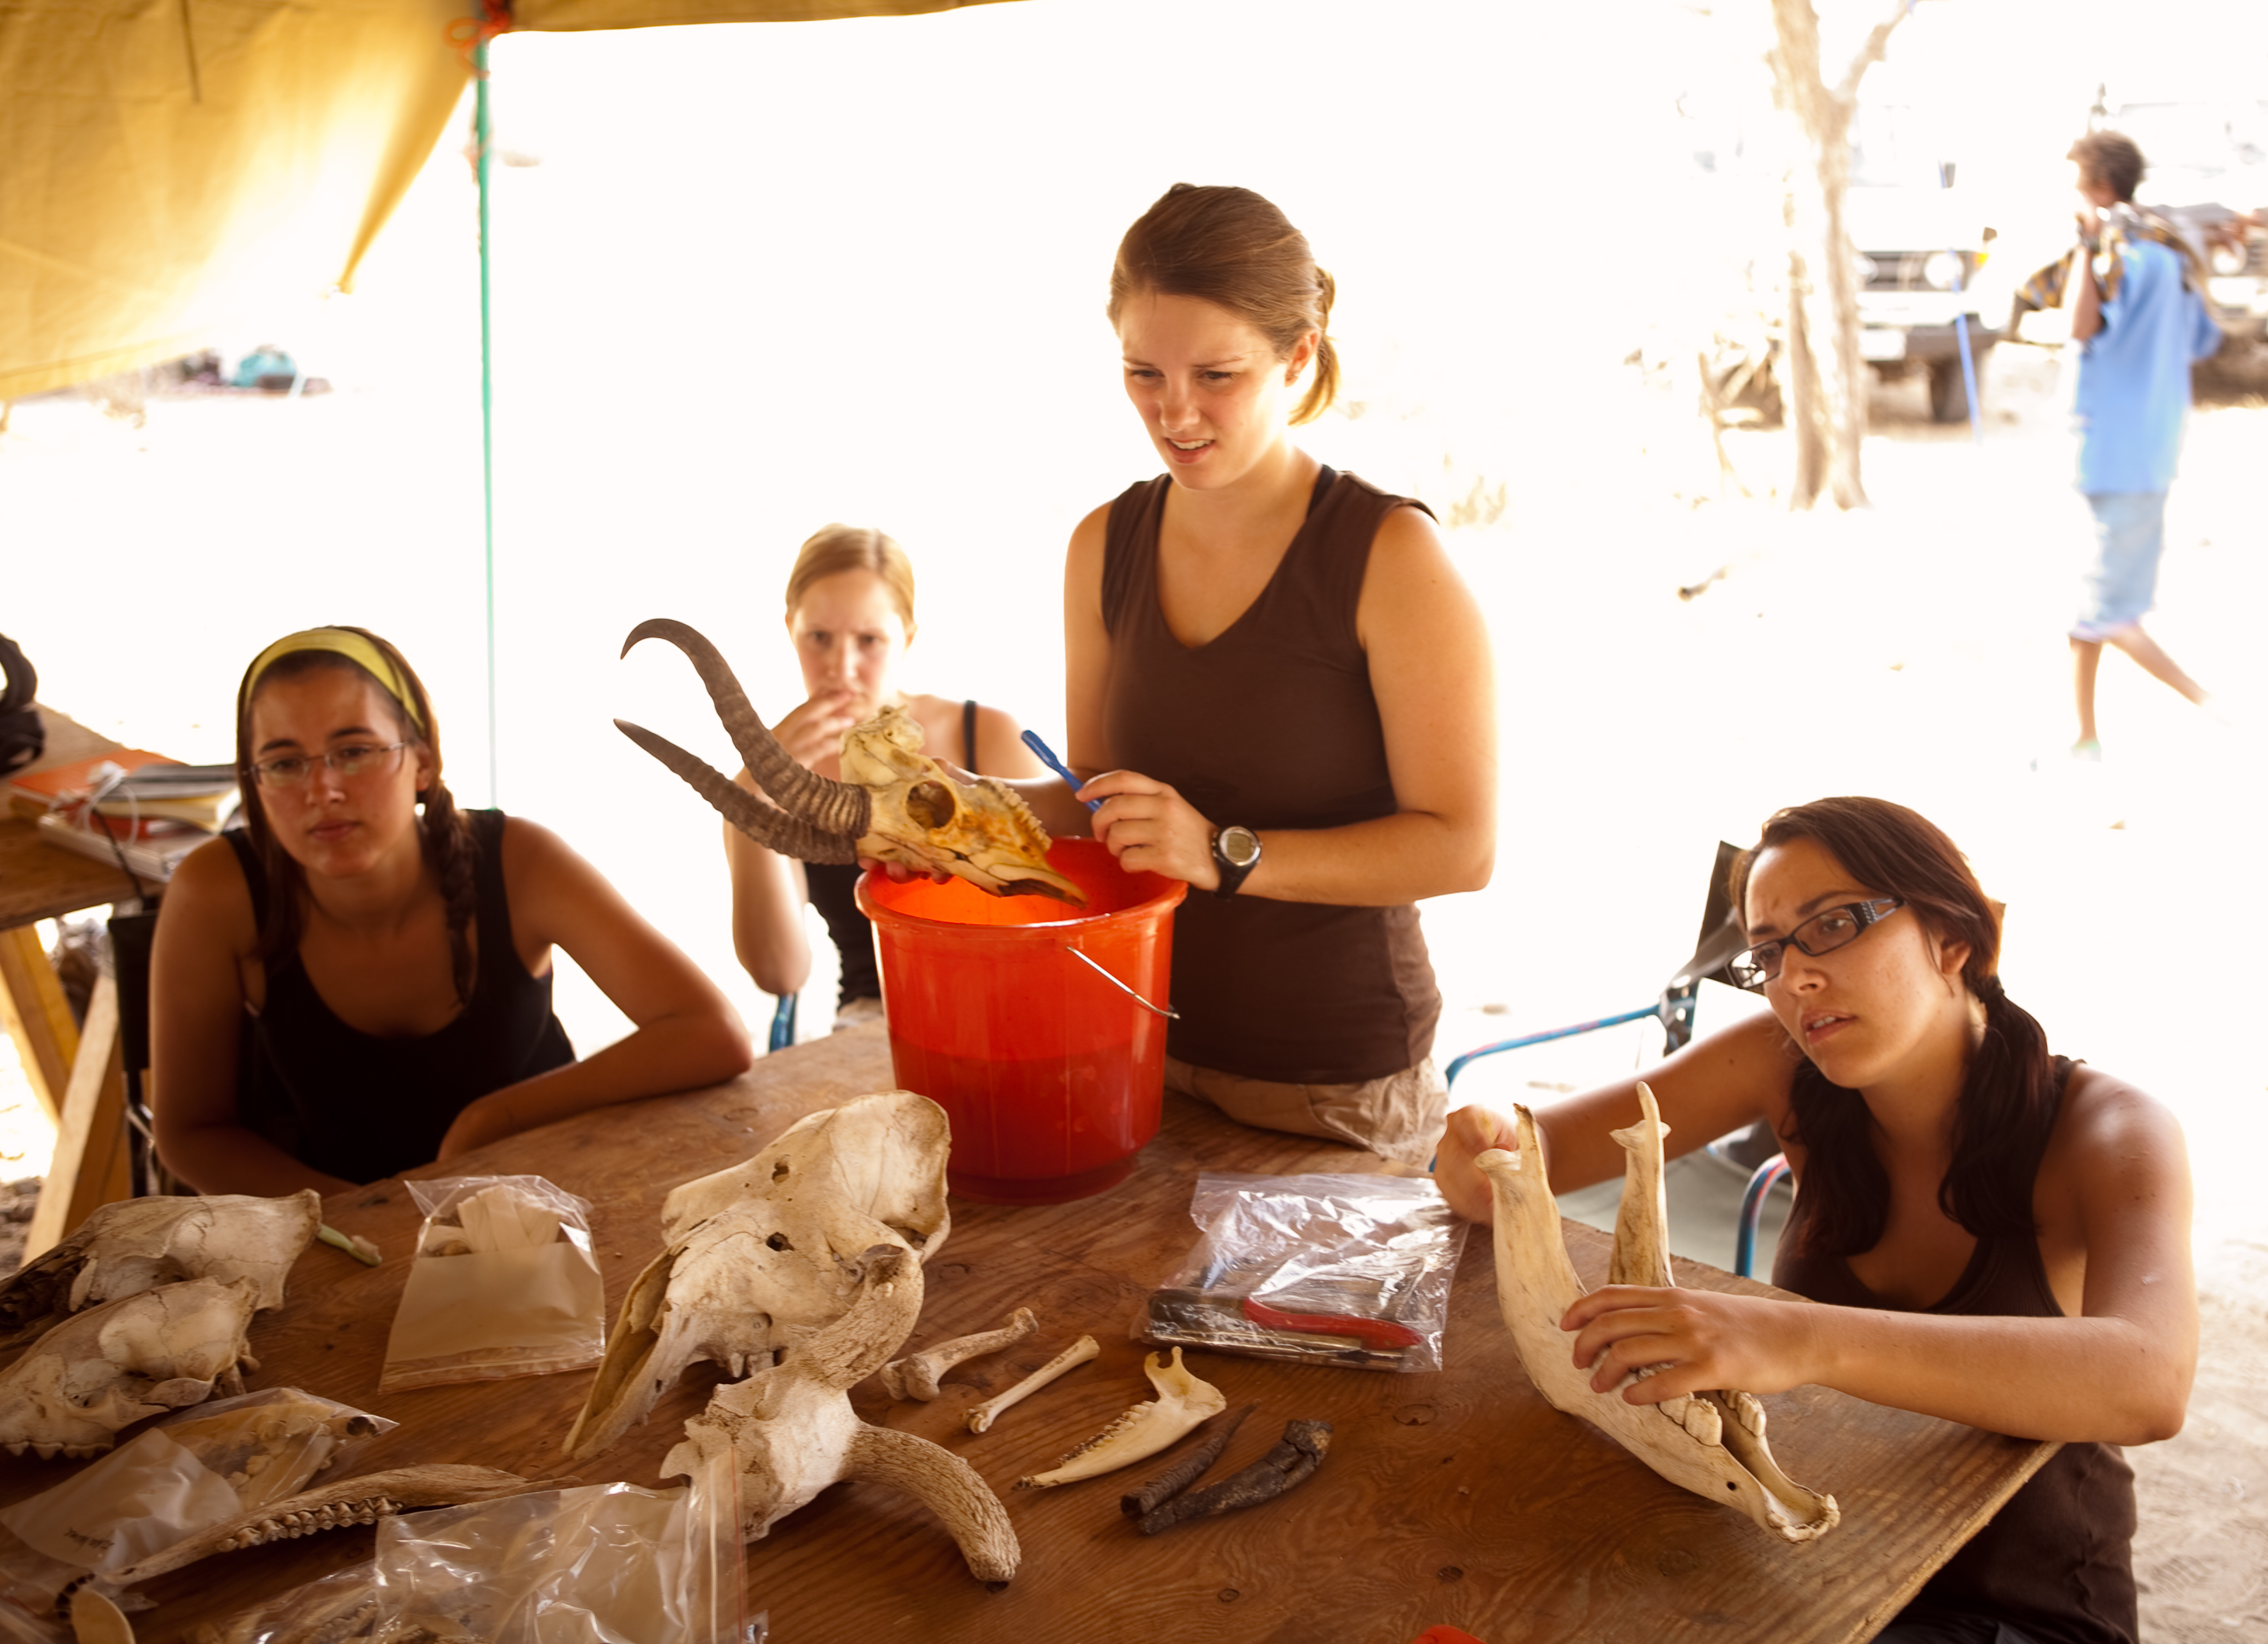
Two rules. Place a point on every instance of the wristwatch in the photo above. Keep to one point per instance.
(1236, 853)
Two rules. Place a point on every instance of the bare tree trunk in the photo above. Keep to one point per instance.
(1826, 379)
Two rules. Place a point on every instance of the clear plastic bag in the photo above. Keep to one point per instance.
(196, 1468)
(1343, 1269)
(504, 1285)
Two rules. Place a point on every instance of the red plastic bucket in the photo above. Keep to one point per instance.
(1051, 1075)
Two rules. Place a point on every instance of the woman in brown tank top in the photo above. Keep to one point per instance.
(1986, 1234)
(1279, 691)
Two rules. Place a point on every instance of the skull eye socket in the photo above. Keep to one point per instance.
(930, 804)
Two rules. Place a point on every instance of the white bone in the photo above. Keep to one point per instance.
(770, 1245)
(917, 1375)
(791, 1431)
(109, 1366)
(137, 1244)
(1686, 1439)
(981, 1417)
(1183, 1400)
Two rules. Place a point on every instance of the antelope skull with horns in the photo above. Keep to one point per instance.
(895, 804)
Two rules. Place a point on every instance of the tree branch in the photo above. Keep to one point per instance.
(1878, 42)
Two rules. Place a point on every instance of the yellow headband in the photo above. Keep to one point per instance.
(340, 642)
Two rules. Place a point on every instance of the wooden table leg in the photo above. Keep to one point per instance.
(37, 1016)
(92, 1167)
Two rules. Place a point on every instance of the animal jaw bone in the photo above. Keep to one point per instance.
(109, 1366)
(981, 1417)
(1183, 1401)
(893, 804)
(137, 1244)
(791, 1431)
(1712, 1443)
(768, 1246)
(335, 1506)
(916, 1375)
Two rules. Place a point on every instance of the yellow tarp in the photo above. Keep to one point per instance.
(168, 164)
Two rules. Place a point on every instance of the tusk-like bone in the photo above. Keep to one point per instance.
(1183, 1400)
(769, 826)
(980, 1417)
(917, 1375)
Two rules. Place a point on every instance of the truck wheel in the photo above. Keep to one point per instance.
(1948, 394)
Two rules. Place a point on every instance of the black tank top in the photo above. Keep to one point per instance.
(1271, 723)
(830, 886)
(2057, 1559)
(365, 1107)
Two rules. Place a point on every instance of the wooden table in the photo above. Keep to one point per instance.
(1454, 1497)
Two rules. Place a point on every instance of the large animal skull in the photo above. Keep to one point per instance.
(791, 1431)
(1712, 1443)
(771, 1244)
(139, 1244)
(895, 804)
(109, 1366)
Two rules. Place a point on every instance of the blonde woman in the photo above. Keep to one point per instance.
(851, 618)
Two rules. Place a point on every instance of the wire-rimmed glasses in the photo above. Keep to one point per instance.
(1821, 933)
(290, 771)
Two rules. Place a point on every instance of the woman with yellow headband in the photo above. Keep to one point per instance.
(360, 982)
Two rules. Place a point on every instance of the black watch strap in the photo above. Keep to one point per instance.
(1235, 852)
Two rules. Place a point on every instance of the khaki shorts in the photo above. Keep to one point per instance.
(1397, 1117)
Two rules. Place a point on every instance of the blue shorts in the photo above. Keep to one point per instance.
(2122, 582)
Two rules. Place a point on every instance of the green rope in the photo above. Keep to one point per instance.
(482, 146)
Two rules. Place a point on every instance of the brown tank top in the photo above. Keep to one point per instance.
(1272, 725)
(2057, 1559)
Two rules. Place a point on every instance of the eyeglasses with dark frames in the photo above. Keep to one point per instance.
(289, 770)
(1821, 934)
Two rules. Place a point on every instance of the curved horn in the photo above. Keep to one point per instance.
(835, 808)
(774, 830)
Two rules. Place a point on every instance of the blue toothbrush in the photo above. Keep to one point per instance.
(1047, 758)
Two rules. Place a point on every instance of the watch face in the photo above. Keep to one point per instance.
(1240, 846)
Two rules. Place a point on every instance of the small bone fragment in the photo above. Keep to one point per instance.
(1184, 1399)
(1688, 1441)
(353, 1244)
(981, 1417)
(95, 1620)
(1189, 1468)
(916, 1375)
(1294, 1456)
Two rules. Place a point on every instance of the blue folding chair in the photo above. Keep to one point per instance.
(783, 1025)
(1752, 1212)
(1721, 937)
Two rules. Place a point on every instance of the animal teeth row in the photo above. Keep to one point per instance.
(310, 1521)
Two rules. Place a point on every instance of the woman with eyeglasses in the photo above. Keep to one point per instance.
(1985, 1232)
(359, 982)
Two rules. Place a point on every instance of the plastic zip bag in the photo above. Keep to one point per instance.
(1326, 1268)
(196, 1468)
(504, 1285)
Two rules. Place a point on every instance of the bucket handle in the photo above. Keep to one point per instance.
(1170, 1012)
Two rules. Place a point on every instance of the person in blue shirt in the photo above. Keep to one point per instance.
(2138, 321)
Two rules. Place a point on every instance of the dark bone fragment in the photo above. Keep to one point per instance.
(1190, 1468)
(1297, 1454)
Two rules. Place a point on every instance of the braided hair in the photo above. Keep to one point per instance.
(443, 836)
(2010, 1090)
